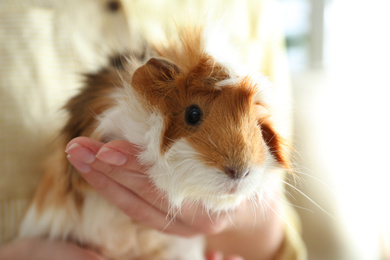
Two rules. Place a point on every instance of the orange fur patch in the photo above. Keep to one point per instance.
(94, 99)
(61, 182)
(276, 143)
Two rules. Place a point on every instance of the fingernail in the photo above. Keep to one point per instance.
(214, 256)
(81, 167)
(111, 156)
(80, 153)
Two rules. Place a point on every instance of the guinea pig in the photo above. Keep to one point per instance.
(204, 129)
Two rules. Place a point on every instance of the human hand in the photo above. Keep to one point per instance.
(41, 249)
(112, 169)
(219, 256)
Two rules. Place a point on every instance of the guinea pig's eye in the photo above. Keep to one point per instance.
(193, 115)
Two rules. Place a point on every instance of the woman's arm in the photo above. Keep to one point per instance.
(42, 249)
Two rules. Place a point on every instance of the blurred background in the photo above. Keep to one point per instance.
(338, 54)
(339, 58)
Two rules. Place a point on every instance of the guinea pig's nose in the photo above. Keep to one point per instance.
(236, 173)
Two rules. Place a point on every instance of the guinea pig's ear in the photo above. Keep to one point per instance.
(154, 72)
(277, 144)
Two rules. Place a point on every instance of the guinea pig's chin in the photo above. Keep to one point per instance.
(217, 203)
(227, 198)
(224, 202)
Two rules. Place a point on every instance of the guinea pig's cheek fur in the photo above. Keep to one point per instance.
(184, 175)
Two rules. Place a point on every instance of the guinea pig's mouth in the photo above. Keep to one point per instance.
(227, 196)
(233, 187)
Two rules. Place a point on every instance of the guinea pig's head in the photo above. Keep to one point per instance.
(216, 141)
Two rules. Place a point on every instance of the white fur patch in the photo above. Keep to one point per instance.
(112, 233)
(127, 120)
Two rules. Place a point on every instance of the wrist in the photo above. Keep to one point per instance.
(255, 233)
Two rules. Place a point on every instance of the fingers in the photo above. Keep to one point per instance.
(132, 205)
(41, 249)
(115, 164)
(214, 256)
(121, 153)
(115, 153)
(91, 144)
(85, 156)
(219, 256)
(234, 257)
(124, 188)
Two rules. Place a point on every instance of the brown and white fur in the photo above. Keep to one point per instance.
(225, 158)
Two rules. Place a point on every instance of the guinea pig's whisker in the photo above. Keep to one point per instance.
(220, 213)
(264, 211)
(193, 217)
(159, 175)
(296, 206)
(258, 201)
(172, 210)
(172, 220)
(307, 197)
(230, 219)
(212, 142)
(209, 215)
(161, 201)
(264, 207)
(289, 194)
(170, 139)
(140, 176)
(280, 217)
(316, 179)
(253, 198)
(200, 155)
(253, 206)
(131, 153)
(270, 140)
